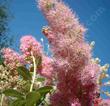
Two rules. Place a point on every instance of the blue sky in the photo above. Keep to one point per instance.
(93, 14)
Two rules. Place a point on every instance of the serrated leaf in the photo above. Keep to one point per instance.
(13, 93)
(44, 90)
(24, 72)
(18, 102)
(32, 98)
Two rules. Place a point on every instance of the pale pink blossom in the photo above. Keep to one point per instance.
(29, 46)
(12, 59)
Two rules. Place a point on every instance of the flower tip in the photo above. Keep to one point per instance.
(92, 44)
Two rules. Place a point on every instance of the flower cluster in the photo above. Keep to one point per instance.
(76, 73)
(11, 58)
(30, 46)
(25, 72)
(7, 79)
(47, 69)
(60, 17)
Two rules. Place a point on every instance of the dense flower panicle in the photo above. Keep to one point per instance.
(75, 53)
(59, 99)
(60, 17)
(69, 80)
(30, 45)
(47, 69)
(75, 74)
(63, 32)
(72, 55)
(11, 58)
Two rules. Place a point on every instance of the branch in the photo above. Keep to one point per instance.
(34, 73)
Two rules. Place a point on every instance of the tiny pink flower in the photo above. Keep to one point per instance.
(30, 46)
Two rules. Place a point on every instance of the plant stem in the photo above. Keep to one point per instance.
(2, 97)
(34, 73)
(46, 103)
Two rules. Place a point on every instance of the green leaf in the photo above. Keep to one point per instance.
(24, 72)
(32, 98)
(26, 87)
(18, 102)
(1, 60)
(44, 90)
(40, 79)
(13, 93)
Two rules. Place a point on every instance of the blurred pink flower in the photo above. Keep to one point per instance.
(101, 102)
(12, 59)
(30, 45)
(105, 102)
(47, 69)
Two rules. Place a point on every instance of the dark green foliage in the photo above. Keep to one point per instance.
(24, 73)
(22, 98)
(1, 60)
(32, 98)
(5, 40)
(18, 102)
(3, 20)
(44, 90)
(13, 93)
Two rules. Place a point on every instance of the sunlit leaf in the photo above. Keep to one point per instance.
(18, 102)
(32, 98)
(13, 93)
